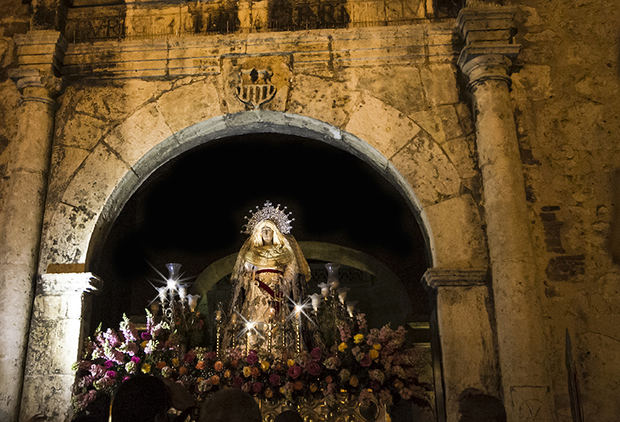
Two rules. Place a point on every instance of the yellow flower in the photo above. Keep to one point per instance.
(313, 388)
(354, 381)
(268, 393)
(342, 347)
(227, 373)
(175, 362)
(144, 343)
(146, 368)
(265, 365)
(374, 354)
(358, 338)
(376, 346)
(247, 371)
(290, 362)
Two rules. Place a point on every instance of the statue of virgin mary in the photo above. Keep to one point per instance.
(269, 275)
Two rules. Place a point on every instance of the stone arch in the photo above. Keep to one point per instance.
(85, 212)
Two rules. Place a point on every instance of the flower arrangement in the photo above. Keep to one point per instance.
(374, 364)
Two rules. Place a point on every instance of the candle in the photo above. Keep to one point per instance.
(316, 301)
(324, 289)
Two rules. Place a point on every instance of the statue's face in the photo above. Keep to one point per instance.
(267, 234)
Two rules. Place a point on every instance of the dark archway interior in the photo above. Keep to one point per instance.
(192, 209)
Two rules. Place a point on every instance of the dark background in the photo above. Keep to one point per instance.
(191, 211)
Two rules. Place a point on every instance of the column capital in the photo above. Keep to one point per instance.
(489, 50)
(69, 283)
(448, 277)
(39, 59)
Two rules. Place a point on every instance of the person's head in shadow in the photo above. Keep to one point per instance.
(289, 416)
(141, 399)
(476, 406)
(230, 405)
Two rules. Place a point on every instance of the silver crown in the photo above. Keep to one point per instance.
(280, 217)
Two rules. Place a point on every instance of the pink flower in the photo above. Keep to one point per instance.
(108, 364)
(313, 368)
(125, 378)
(97, 371)
(294, 371)
(211, 355)
(315, 353)
(274, 379)
(237, 382)
(135, 359)
(111, 337)
(146, 336)
(257, 387)
(110, 374)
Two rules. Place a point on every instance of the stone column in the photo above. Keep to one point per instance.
(60, 318)
(486, 61)
(21, 216)
(466, 338)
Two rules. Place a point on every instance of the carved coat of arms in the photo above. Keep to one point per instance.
(255, 82)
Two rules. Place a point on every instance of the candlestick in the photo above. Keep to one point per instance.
(298, 331)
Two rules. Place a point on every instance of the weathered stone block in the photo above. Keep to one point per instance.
(461, 152)
(460, 245)
(189, 104)
(399, 86)
(439, 82)
(139, 133)
(388, 134)
(91, 186)
(64, 163)
(81, 131)
(321, 99)
(429, 171)
(53, 346)
(49, 395)
(450, 121)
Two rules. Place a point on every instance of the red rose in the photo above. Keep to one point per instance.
(257, 387)
(252, 357)
(274, 379)
(315, 353)
(189, 357)
(313, 368)
(294, 371)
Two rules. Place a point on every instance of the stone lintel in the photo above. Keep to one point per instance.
(68, 284)
(445, 277)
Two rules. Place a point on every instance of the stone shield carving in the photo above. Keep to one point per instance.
(255, 82)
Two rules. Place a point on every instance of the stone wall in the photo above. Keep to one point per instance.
(565, 94)
(107, 121)
(388, 95)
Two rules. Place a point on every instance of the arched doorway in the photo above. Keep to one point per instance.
(450, 223)
(191, 209)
